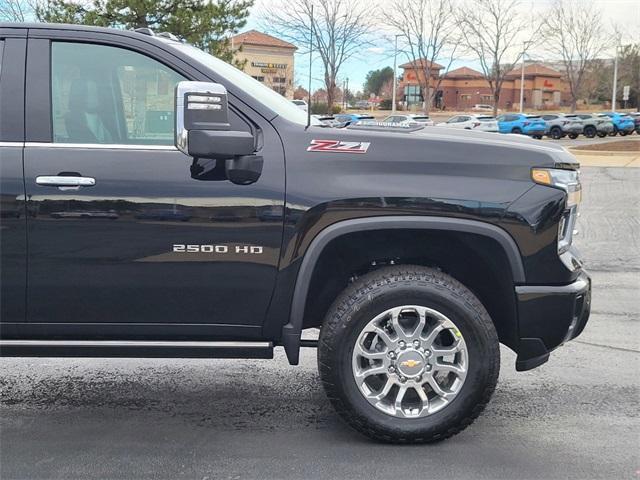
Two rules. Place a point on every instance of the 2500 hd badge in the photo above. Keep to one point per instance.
(222, 249)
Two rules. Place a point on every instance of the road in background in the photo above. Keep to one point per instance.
(575, 417)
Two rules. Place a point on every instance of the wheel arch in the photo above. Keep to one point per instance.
(291, 331)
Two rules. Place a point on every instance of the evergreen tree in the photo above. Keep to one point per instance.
(205, 24)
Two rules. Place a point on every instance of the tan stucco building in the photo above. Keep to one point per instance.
(268, 59)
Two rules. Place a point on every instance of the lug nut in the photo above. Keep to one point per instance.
(401, 344)
(391, 354)
(392, 369)
(416, 343)
(428, 368)
(427, 352)
(419, 379)
(402, 379)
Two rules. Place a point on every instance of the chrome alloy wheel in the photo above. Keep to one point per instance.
(410, 361)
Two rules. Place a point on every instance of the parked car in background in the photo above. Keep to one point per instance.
(482, 123)
(301, 104)
(346, 119)
(560, 125)
(593, 125)
(328, 120)
(410, 119)
(636, 120)
(481, 107)
(622, 123)
(363, 104)
(532, 125)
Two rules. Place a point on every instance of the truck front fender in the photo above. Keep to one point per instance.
(291, 331)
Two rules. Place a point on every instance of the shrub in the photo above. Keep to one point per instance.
(385, 104)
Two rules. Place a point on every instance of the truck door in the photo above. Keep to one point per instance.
(129, 239)
(13, 247)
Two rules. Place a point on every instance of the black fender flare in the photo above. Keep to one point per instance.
(291, 331)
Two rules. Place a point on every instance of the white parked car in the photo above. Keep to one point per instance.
(410, 119)
(301, 104)
(482, 123)
(482, 107)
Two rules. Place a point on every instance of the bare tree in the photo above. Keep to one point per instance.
(491, 29)
(17, 10)
(428, 31)
(576, 31)
(340, 28)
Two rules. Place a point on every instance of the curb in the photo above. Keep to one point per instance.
(604, 153)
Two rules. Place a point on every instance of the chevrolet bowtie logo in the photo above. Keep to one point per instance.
(410, 363)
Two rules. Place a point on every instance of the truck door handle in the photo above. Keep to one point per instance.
(65, 181)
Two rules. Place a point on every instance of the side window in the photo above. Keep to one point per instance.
(110, 95)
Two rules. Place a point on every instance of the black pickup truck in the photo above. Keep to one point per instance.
(171, 206)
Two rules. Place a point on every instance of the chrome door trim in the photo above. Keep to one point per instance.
(100, 146)
(131, 343)
(11, 144)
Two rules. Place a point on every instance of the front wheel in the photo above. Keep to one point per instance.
(408, 354)
(590, 131)
(573, 136)
(602, 134)
(556, 133)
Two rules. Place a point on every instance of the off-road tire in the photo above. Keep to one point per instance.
(556, 133)
(590, 131)
(390, 287)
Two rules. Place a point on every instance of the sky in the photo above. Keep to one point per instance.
(624, 13)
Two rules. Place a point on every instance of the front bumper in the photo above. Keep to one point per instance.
(549, 316)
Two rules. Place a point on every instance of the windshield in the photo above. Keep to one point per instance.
(261, 93)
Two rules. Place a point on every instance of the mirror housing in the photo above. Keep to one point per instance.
(202, 123)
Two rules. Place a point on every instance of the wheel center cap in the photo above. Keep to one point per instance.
(411, 363)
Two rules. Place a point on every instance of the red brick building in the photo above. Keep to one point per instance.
(462, 88)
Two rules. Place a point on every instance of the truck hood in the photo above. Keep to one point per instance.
(455, 146)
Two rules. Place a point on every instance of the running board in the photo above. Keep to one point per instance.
(134, 349)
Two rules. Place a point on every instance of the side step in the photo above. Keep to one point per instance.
(134, 349)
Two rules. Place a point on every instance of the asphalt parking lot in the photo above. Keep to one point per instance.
(575, 417)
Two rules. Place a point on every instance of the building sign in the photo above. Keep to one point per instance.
(548, 84)
(268, 65)
(269, 70)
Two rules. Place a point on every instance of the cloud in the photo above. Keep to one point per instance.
(375, 50)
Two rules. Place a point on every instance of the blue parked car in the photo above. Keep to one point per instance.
(532, 125)
(347, 119)
(622, 123)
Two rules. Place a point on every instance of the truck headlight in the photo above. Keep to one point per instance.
(569, 181)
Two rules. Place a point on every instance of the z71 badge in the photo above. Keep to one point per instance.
(336, 146)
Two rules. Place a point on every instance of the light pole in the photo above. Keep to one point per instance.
(615, 81)
(395, 77)
(346, 92)
(522, 81)
(310, 67)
